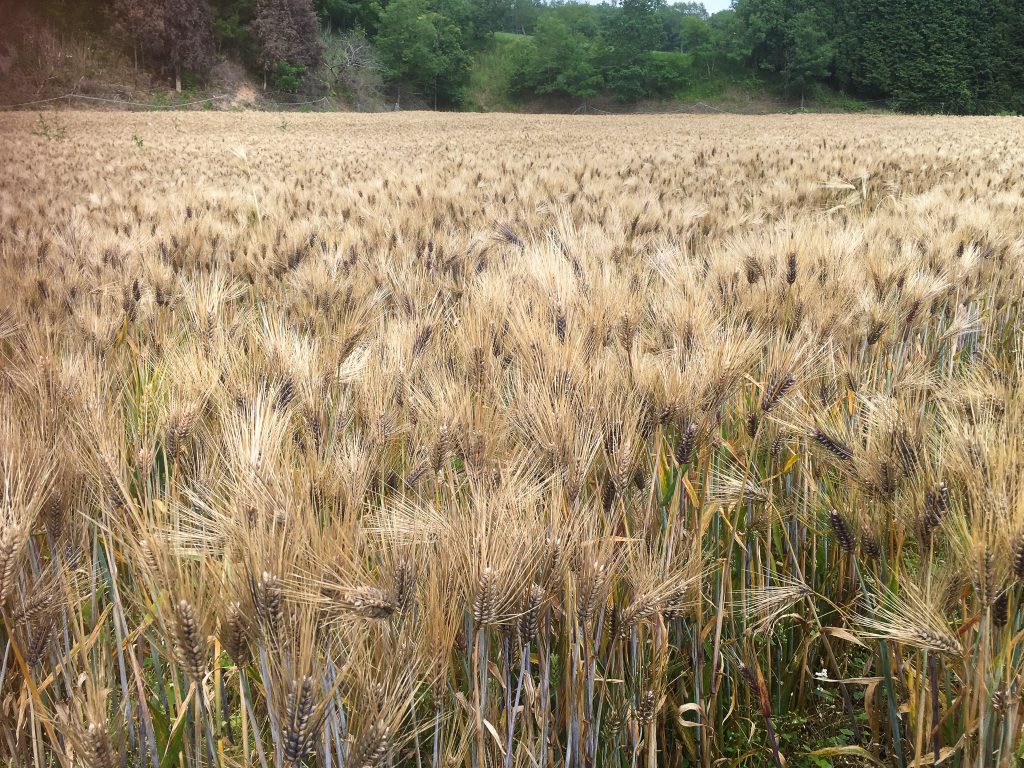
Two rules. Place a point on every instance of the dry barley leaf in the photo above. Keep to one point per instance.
(844, 634)
(494, 732)
(691, 707)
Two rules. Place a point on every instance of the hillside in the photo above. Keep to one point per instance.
(44, 65)
(514, 55)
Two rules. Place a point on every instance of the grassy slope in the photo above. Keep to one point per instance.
(707, 91)
(488, 84)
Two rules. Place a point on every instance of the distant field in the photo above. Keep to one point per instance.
(480, 440)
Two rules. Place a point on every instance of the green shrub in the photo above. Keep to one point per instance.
(288, 77)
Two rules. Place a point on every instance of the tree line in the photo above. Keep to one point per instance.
(961, 56)
(964, 56)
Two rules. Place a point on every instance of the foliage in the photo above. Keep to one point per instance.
(522, 15)
(51, 129)
(342, 15)
(352, 69)
(232, 20)
(557, 60)
(187, 35)
(141, 23)
(493, 72)
(425, 49)
(287, 77)
(176, 33)
(288, 36)
(920, 55)
(916, 55)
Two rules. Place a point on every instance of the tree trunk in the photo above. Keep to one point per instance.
(177, 78)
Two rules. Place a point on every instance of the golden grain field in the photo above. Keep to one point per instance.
(426, 440)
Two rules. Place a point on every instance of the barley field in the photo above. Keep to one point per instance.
(425, 440)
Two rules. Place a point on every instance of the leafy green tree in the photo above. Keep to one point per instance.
(488, 17)
(810, 50)
(423, 48)
(522, 15)
(343, 15)
(288, 77)
(673, 20)
(462, 13)
(588, 20)
(631, 37)
(559, 60)
(231, 21)
(998, 53)
(918, 53)
(695, 34)
(727, 36)
(794, 39)
(636, 30)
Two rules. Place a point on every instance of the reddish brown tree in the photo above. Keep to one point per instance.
(188, 36)
(176, 33)
(287, 31)
(137, 21)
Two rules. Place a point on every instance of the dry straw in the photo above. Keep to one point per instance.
(438, 441)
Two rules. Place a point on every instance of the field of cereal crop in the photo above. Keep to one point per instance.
(426, 440)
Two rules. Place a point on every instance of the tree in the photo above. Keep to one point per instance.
(288, 35)
(188, 36)
(464, 14)
(636, 30)
(676, 17)
(918, 53)
(523, 15)
(727, 36)
(695, 34)
(178, 33)
(633, 34)
(793, 38)
(811, 51)
(231, 27)
(998, 53)
(137, 22)
(489, 16)
(424, 48)
(559, 60)
(343, 15)
(352, 67)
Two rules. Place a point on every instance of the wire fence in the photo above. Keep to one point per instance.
(702, 107)
(145, 105)
(696, 107)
